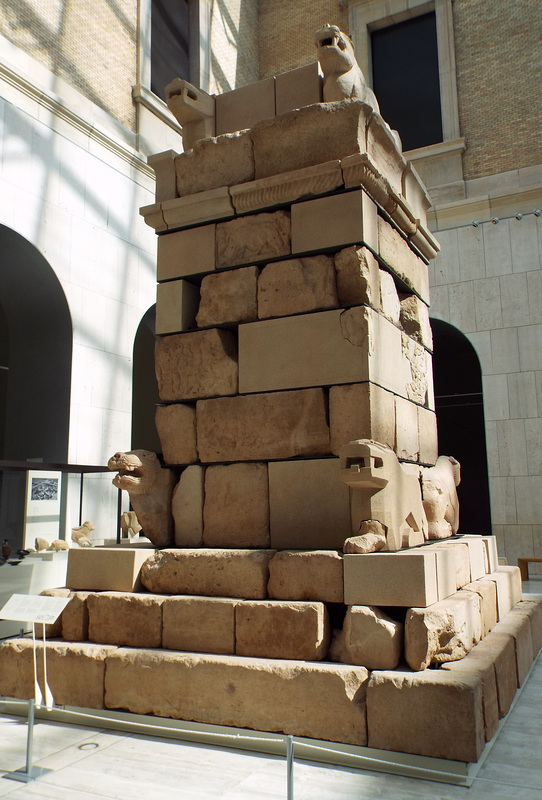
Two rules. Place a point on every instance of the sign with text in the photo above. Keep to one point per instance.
(33, 608)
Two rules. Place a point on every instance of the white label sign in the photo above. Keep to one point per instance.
(33, 608)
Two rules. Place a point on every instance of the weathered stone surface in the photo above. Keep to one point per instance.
(361, 411)
(209, 573)
(369, 638)
(509, 589)
(106, 568)
(196, 364)
(419, 386)
(236, 507)
(199, 624)
(282, 629)
(263, 426)
(133, 620)
(414, 319)
(481, 664)
(533, 608)
(334, 221)
(309, 506)
(397, 254)
(310, 575)
(427, 433)
(75, 672)
(266, 695)
(216, 161)
(389, 299)
(187, 507)
(296, 286)
(433, 713)
(460, 557)
(311, 135)
(518, 626)
(196, 209)
(445, 631)
(407, 440)
(440, 499)
(176, 427)
(322, 349)
(54, 629)
(229, 297)
(254, 238)
(176, 306)
(499, 649)
(357, 277)
(189, 252)
(75, 618)
(477, 556)
(487, 592)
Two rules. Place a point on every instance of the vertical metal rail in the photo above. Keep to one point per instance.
(290, 766)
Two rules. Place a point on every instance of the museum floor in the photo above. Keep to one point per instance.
(88, 763)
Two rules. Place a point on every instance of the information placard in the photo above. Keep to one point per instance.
(33, 608)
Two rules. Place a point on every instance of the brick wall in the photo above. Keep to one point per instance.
(234, 45)
(91, 45)
(287, 28)
(497, 58)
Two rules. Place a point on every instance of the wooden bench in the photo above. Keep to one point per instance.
(523, 564)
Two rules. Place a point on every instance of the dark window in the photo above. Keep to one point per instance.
(169, 43)
(406, 79)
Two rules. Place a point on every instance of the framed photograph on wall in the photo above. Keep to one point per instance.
(42, 510)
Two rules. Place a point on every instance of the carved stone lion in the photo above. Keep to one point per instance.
(343, 78)
(440, 497)
(150, 488)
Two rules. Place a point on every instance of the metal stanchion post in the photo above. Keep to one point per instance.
(29, 773)
(290, 765)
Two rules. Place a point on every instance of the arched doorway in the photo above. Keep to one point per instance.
(35, 355)
(460, 419)
(144, 386)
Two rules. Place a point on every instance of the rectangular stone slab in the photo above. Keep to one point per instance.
(124, 619)
(282, 629)
(176, 306)
(509, 588)
(481, 663)
(335, 221)
(199, 624)
(209, 573)
(322, 349)
(518, 626)
(106, 568)
(320, 701)
(306, 575)
(188, 252)
(431, 713)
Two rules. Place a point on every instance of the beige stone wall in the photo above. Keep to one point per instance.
(93, 46)
(496, 53)
(286, 31)
(234, 45)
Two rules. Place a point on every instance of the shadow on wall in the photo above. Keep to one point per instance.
(459, 405)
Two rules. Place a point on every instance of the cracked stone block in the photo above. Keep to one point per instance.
(297, 286)
(282, 629)
(176, 427)
(228, 297)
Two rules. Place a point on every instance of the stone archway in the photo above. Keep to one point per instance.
(460, 419)
(35, 353)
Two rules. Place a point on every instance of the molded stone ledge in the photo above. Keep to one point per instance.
(197, 208)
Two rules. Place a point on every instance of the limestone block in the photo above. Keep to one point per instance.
(187, 507)
(176, 427)
(296, 286)
(254, 238)
(369, 638)
(176, 306)
(414, 319)
(487, 592)
(518, 626)
(209, 573)
(199, 624)
(491, 559)
(188, 252)
(263, 426)
(406, 429)
(163, 165)
(460, 558)
(287, 187)
(419, 386)
(308, 506)
(509, 590)
(53, 630)
(334, 221)
(533, 609)
(308, 136)
(154, 217)
(75, 672)
(427, 433)
(499, 649)
(229, 297)
(389, 299)
(214, 162)
(382, 150)
(242, 108)
(274, 695)
(197, 364)
(361, 411)
(322, 349)
(298, 88)
(357, 277)
(395, 251)
(433, 713)
(75, 618)
(282, 629)
(106, 568)
(408, 578)
(477, 556)
(445, 631)
(134, 620)
(306, 575)
(481, 664)
(236, 506)
(196, 209)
